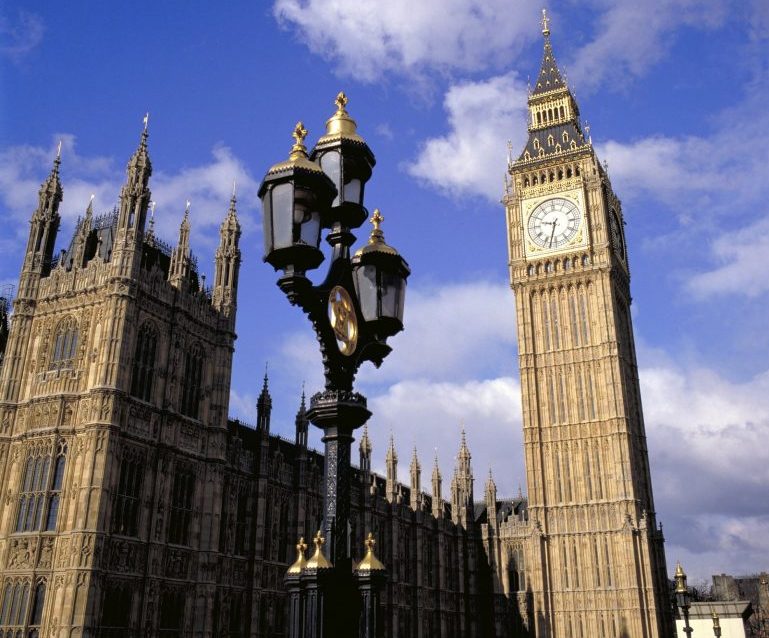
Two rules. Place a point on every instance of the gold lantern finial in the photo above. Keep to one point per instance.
(298, 150)
(301, 562)
(318, 560)
(680, 578)
(376, 241)
(340, 124)
(545, 23)
(370, 562)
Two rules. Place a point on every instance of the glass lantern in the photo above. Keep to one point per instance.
(348, 161)
(294, 195)
(379, 275)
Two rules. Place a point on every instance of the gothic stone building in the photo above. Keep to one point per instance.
(132, 505)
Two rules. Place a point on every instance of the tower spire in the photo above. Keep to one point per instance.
(364, 448)
(549, 78)
(437, 496)
(227, 261)
(416, 481)
(264, 406)
(391, 461)
(44, 227)
(179, 270)
(302, 423)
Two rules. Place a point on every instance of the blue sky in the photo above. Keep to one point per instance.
(675, 92)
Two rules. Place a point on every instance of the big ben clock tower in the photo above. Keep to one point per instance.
(596, 552)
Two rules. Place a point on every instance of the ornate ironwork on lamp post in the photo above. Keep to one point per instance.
(356, 308)
(682, 598)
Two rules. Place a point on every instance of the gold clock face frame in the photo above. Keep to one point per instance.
(553, 223)
(344, 323)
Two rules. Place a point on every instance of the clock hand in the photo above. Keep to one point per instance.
(552, 233)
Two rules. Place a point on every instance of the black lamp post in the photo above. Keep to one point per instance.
(682, 598)
(353, 311)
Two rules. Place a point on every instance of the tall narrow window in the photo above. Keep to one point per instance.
(545, 323)
(590, 394)
(596, 564)
(575, 564)
(171, 614)
(555, 321)
(64, 344)
(240, 522)
(584, 317)
(36, 615)
(14, 610)
(33, 494)
(607, 561)
(567, 475)
(143, 374)
(125, 514)
(191, 383)
(565, 561)
(588, 478)
(116, 611)
(574, 327)
(181, 507)
(55, 494)
(551, 400)
(598, 473)
(557, 461)
(580, 396)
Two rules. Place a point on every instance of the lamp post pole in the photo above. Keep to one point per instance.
(716, 625)
(682, 598)
(356, 308)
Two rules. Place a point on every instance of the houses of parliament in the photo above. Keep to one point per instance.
(132, 505)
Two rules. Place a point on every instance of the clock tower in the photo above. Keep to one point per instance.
(597, 556)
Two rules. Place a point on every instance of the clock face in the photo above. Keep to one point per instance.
(554, 223)
(341, 314)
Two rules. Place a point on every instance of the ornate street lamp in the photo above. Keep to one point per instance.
(357, 307)
(682, 598)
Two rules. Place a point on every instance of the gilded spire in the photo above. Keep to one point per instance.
(301, 562)
(376, 241)
(318, 560)
(370, 562)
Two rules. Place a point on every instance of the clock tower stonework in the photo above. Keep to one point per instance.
(596, 555)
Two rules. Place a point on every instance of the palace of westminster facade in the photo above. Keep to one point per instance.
(133, 506)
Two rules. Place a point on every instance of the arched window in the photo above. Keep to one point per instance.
(182, 499)
(192, 382)
(143, 374)
(64, 344)
(36, 615)
(40, 492)
(550, 140)
(526, 181)
(125, 513)
(565, 137)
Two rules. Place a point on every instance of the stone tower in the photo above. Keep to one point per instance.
(113, 422)
(596, 557)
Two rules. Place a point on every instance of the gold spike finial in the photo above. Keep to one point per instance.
(146, 120)
(341, 101)
(545, 23)
(58, 151)
(370, 562)
(301, 561)
(377, 219)
(298, 150)
(318, 560)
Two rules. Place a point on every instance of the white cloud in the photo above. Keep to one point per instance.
(20, 36)
(470, 158)
(365, 38)
(633, 35)
(430, 415)
(742, 257)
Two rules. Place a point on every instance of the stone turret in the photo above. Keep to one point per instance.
(44, 227)
(437, 495)
(302, 424)
(491, 500)
(264, 407)
(365, 451)
(416, 481)
(227, 268)
(181, 256)
(391, 461)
